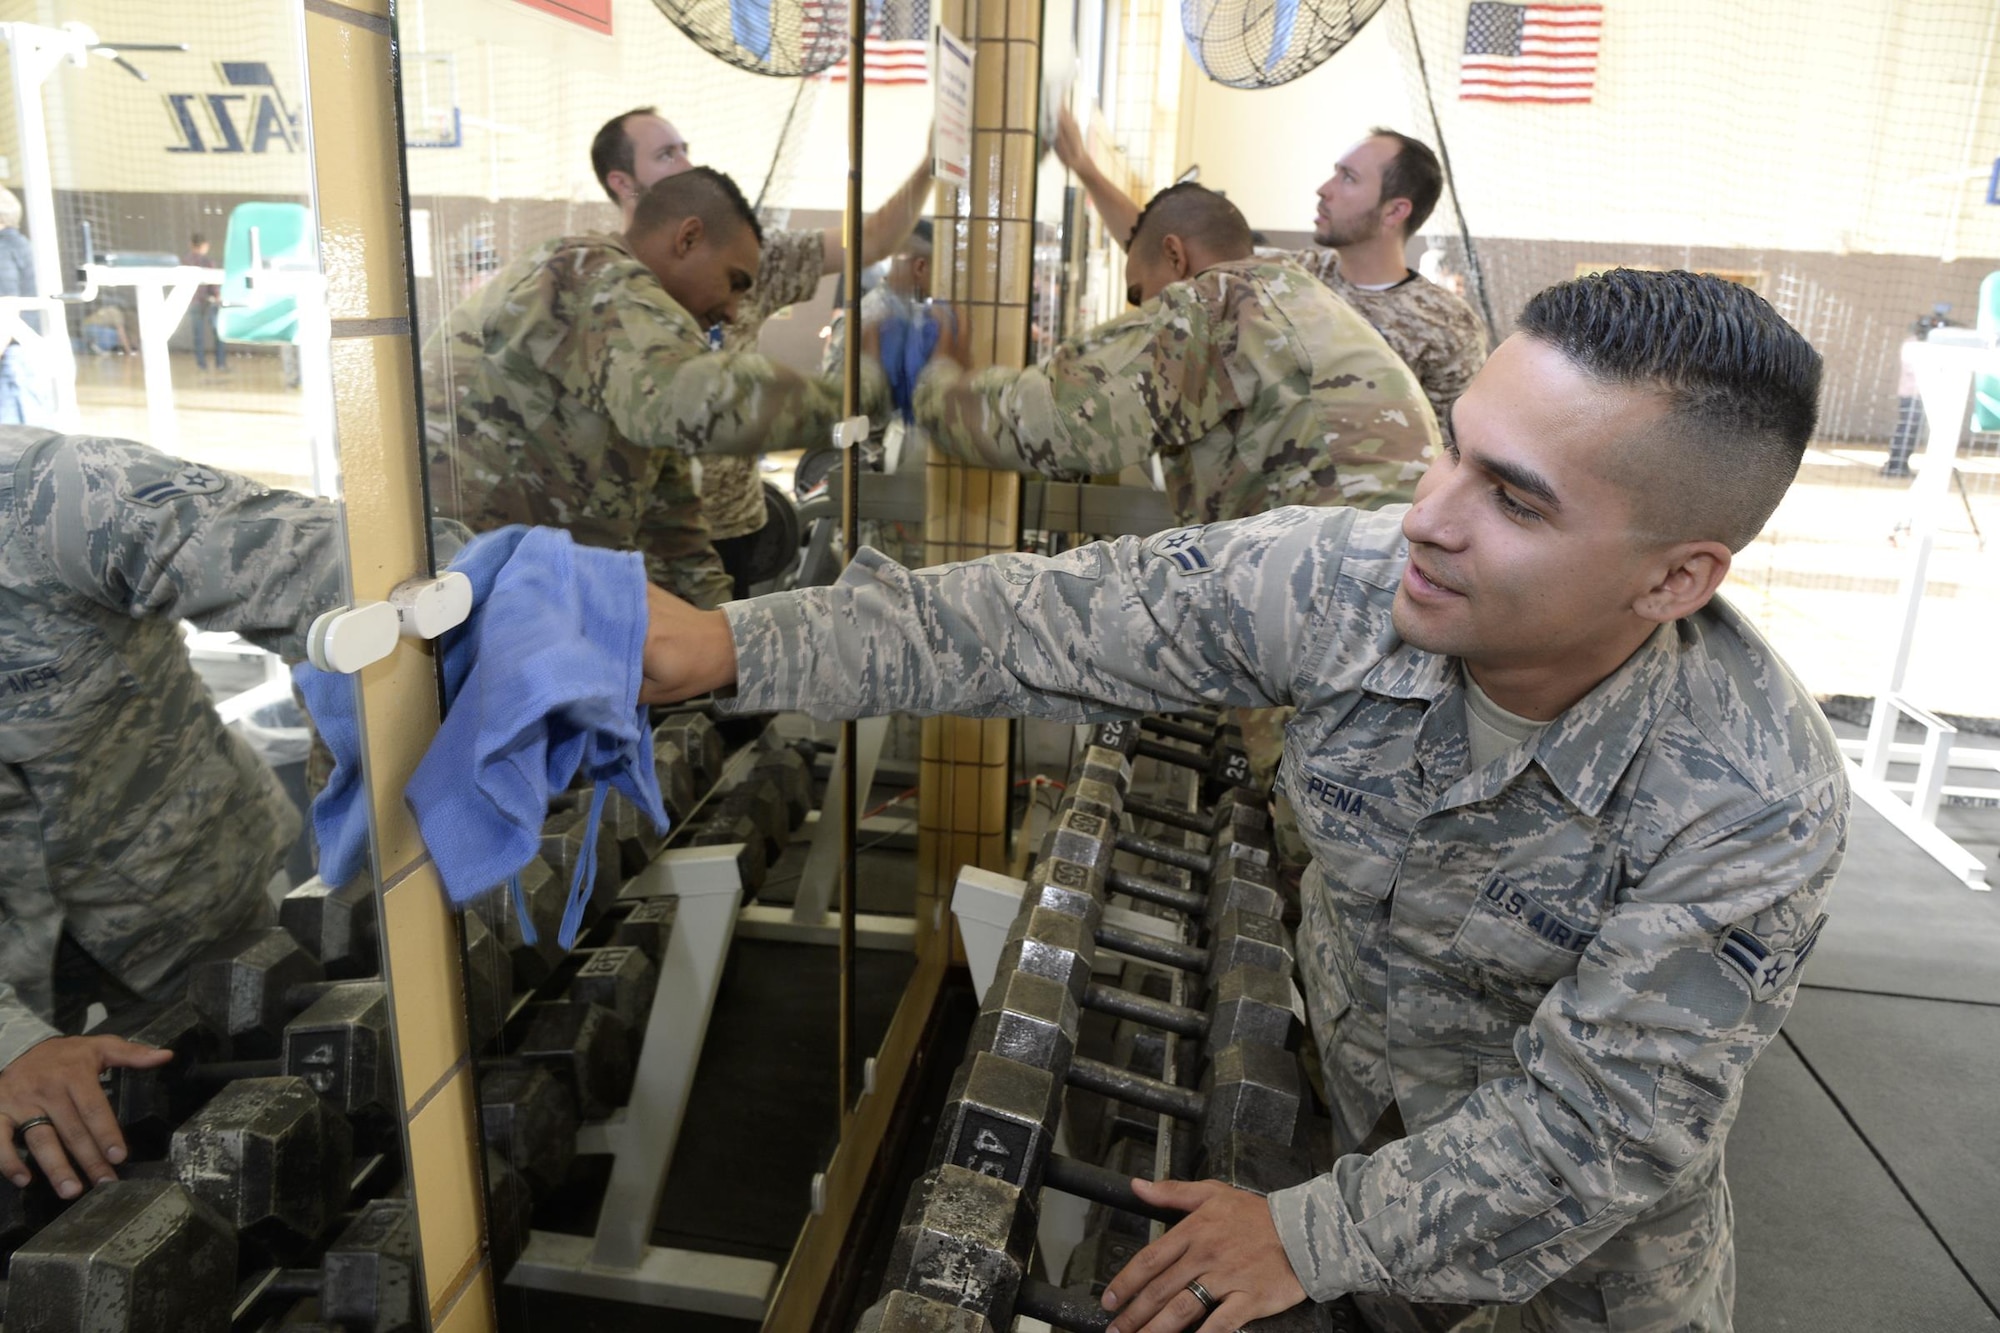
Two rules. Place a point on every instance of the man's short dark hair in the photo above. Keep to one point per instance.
(1414, 173)
(1741, 387)
(1193, 213)
(199, 238)
(698, 192)
(611, 148)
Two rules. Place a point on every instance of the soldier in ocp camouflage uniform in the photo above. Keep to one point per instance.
(135, 828)
(638, 148)
(1381, 191)
(573, 388)
(1573, 823)
(1256, 386)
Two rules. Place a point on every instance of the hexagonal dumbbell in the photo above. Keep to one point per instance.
(131, 1254)
(545, 896)
(1237, 939)
(150, 1103)
(338, 926)
(638, 840)
(646, 924)
(791, 773)
(563, 836)
(676, 779)
(272, 1157)
(907, 1312)
(529, 1119)
(489, 983)
(341, 1047)
(697, 741)
(247, 987)
(720, 829)
(586, 1046)
(25, 1211)
(1049, 943)
(759, 800)
(1075, 859)
(621, 978)
(999, 1119)
(965, 1240)
(1027, 1019)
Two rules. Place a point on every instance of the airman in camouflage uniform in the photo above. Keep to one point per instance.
(573, 389)
(1555, 957)
(1430, 327)
(1255, 385)
(635, 150)
(131, 819)
(1382, 190)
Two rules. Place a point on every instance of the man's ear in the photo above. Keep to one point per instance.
(1176, 254)
(623, 184)
(1687, 575)
(688, 233)
(1395, 213)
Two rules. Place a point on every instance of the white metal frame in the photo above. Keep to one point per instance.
(619, 1262)
(1945, 368)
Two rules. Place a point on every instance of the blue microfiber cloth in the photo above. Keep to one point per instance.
(340, 811)
(908, 339)
(541, 682)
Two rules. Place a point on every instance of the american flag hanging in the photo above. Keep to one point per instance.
(899, 40)
(1530, 53)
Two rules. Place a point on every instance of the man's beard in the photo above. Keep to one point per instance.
(1333, 234)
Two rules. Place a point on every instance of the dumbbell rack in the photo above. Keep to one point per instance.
(1001, 1191)
(619, 1262)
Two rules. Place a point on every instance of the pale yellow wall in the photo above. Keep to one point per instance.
(110, 131)
(537, 88)
(1789, 124)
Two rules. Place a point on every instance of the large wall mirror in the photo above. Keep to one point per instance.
(668, 1086)
(168, 455)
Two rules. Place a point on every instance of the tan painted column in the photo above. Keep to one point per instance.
(357, 164)
(984, 255)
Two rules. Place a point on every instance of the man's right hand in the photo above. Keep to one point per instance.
(58, 1079)
(687, 652)
(1070, 148)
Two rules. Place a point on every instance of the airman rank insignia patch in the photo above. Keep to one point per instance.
(1183, 547)
(190, 479)
(1766, 971)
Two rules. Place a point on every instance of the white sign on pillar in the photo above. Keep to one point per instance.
(951, 137)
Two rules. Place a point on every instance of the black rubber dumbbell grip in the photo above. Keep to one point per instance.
(1066, 1175)
(1161, 1014)
(1152, 891)
(1059, 1308)
(1153, 949)
(1180, 731)
(1164, 852)
(1140, 808)
(1148, 1094)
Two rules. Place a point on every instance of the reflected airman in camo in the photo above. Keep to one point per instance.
(132, 821)
(1548, 973)
(638, 148)
(574, 388)
(1255, 385)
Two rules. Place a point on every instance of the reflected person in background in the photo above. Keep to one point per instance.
(135, 827)
(634, 150)
(1381, 191)
(574, 389)
(1255, 385)
(25, 393)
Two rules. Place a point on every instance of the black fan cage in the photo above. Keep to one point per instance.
(786, 39)
(1263, 43)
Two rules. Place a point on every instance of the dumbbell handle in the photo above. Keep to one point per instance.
(1164, 852)
(1099, 1184)
(1152, 891)
(1059, 1308)
(1153, 949)
(1147, 1093)
(1140, 808)
(1160, 1014)
(1180, 731)
(1174, 754)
